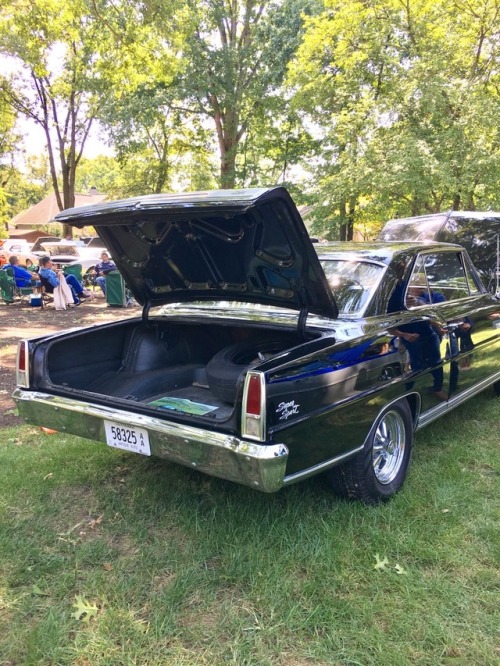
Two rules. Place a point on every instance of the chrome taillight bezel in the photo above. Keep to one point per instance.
(23, 376)
(253, 426)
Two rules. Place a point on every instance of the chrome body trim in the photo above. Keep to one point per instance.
(436, 412)
(260, 466)
(321, 467)
(253, 315)
(419, 422)
(388, 405)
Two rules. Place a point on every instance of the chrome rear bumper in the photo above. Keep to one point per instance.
(260, 466)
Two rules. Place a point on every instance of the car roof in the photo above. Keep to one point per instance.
(471, 214)
(379, 251)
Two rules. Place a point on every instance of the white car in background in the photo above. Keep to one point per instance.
(20, 248)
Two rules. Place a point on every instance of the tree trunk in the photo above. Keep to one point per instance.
(343, 223)
(228, 136)
(163, 168)
(350, 220)
(347, 216)
(228, 169)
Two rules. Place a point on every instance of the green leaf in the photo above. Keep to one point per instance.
(85, 610)
(39, 592)
(381, 565)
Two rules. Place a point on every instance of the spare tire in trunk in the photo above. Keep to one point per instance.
(224, 369)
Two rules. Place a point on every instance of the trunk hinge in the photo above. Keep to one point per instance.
(301, 324)
(300, 293)
(145, 313)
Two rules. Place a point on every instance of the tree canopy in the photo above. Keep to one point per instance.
(368, 109)
(405, 98)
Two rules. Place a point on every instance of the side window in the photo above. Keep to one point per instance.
(417, 292)
(446, 277)
(436, 278)
(474, 288)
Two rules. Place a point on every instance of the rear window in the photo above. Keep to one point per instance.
(353, 283)
(470, 232)
(480, 239)
(412, 229)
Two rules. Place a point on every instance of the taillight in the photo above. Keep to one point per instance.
(22, 364)
(253, 421)
(253, 396)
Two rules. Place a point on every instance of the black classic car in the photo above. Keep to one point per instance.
(260, 357)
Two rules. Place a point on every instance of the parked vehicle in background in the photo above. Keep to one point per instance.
(20, 248)
(93, 242)
(478, 232)
(260, 357)
(37, 247)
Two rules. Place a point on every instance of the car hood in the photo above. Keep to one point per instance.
(59, 249)
(234, 245)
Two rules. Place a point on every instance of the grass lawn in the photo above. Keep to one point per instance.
(110, 558)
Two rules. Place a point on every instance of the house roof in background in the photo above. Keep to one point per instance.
(43, 212)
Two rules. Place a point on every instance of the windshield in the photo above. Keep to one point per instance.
(352, 282)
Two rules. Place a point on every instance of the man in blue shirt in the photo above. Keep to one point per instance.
(22, 277)
(431, 296)
(53, 277)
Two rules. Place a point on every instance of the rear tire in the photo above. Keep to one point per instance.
(376, 473)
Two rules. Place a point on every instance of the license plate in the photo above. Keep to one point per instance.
(128, 438)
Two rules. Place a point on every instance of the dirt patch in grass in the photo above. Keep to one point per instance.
(20, 321)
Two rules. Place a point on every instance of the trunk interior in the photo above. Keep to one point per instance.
(170, 367)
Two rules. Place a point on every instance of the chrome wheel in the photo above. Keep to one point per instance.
(380, 469)
(388, 447)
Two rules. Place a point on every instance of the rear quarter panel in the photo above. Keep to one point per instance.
(324, 404)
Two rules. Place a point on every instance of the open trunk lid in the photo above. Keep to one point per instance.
(233, 245)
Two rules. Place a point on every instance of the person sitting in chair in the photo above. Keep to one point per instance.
(52, 278)
(104, 267)
(22, 277)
